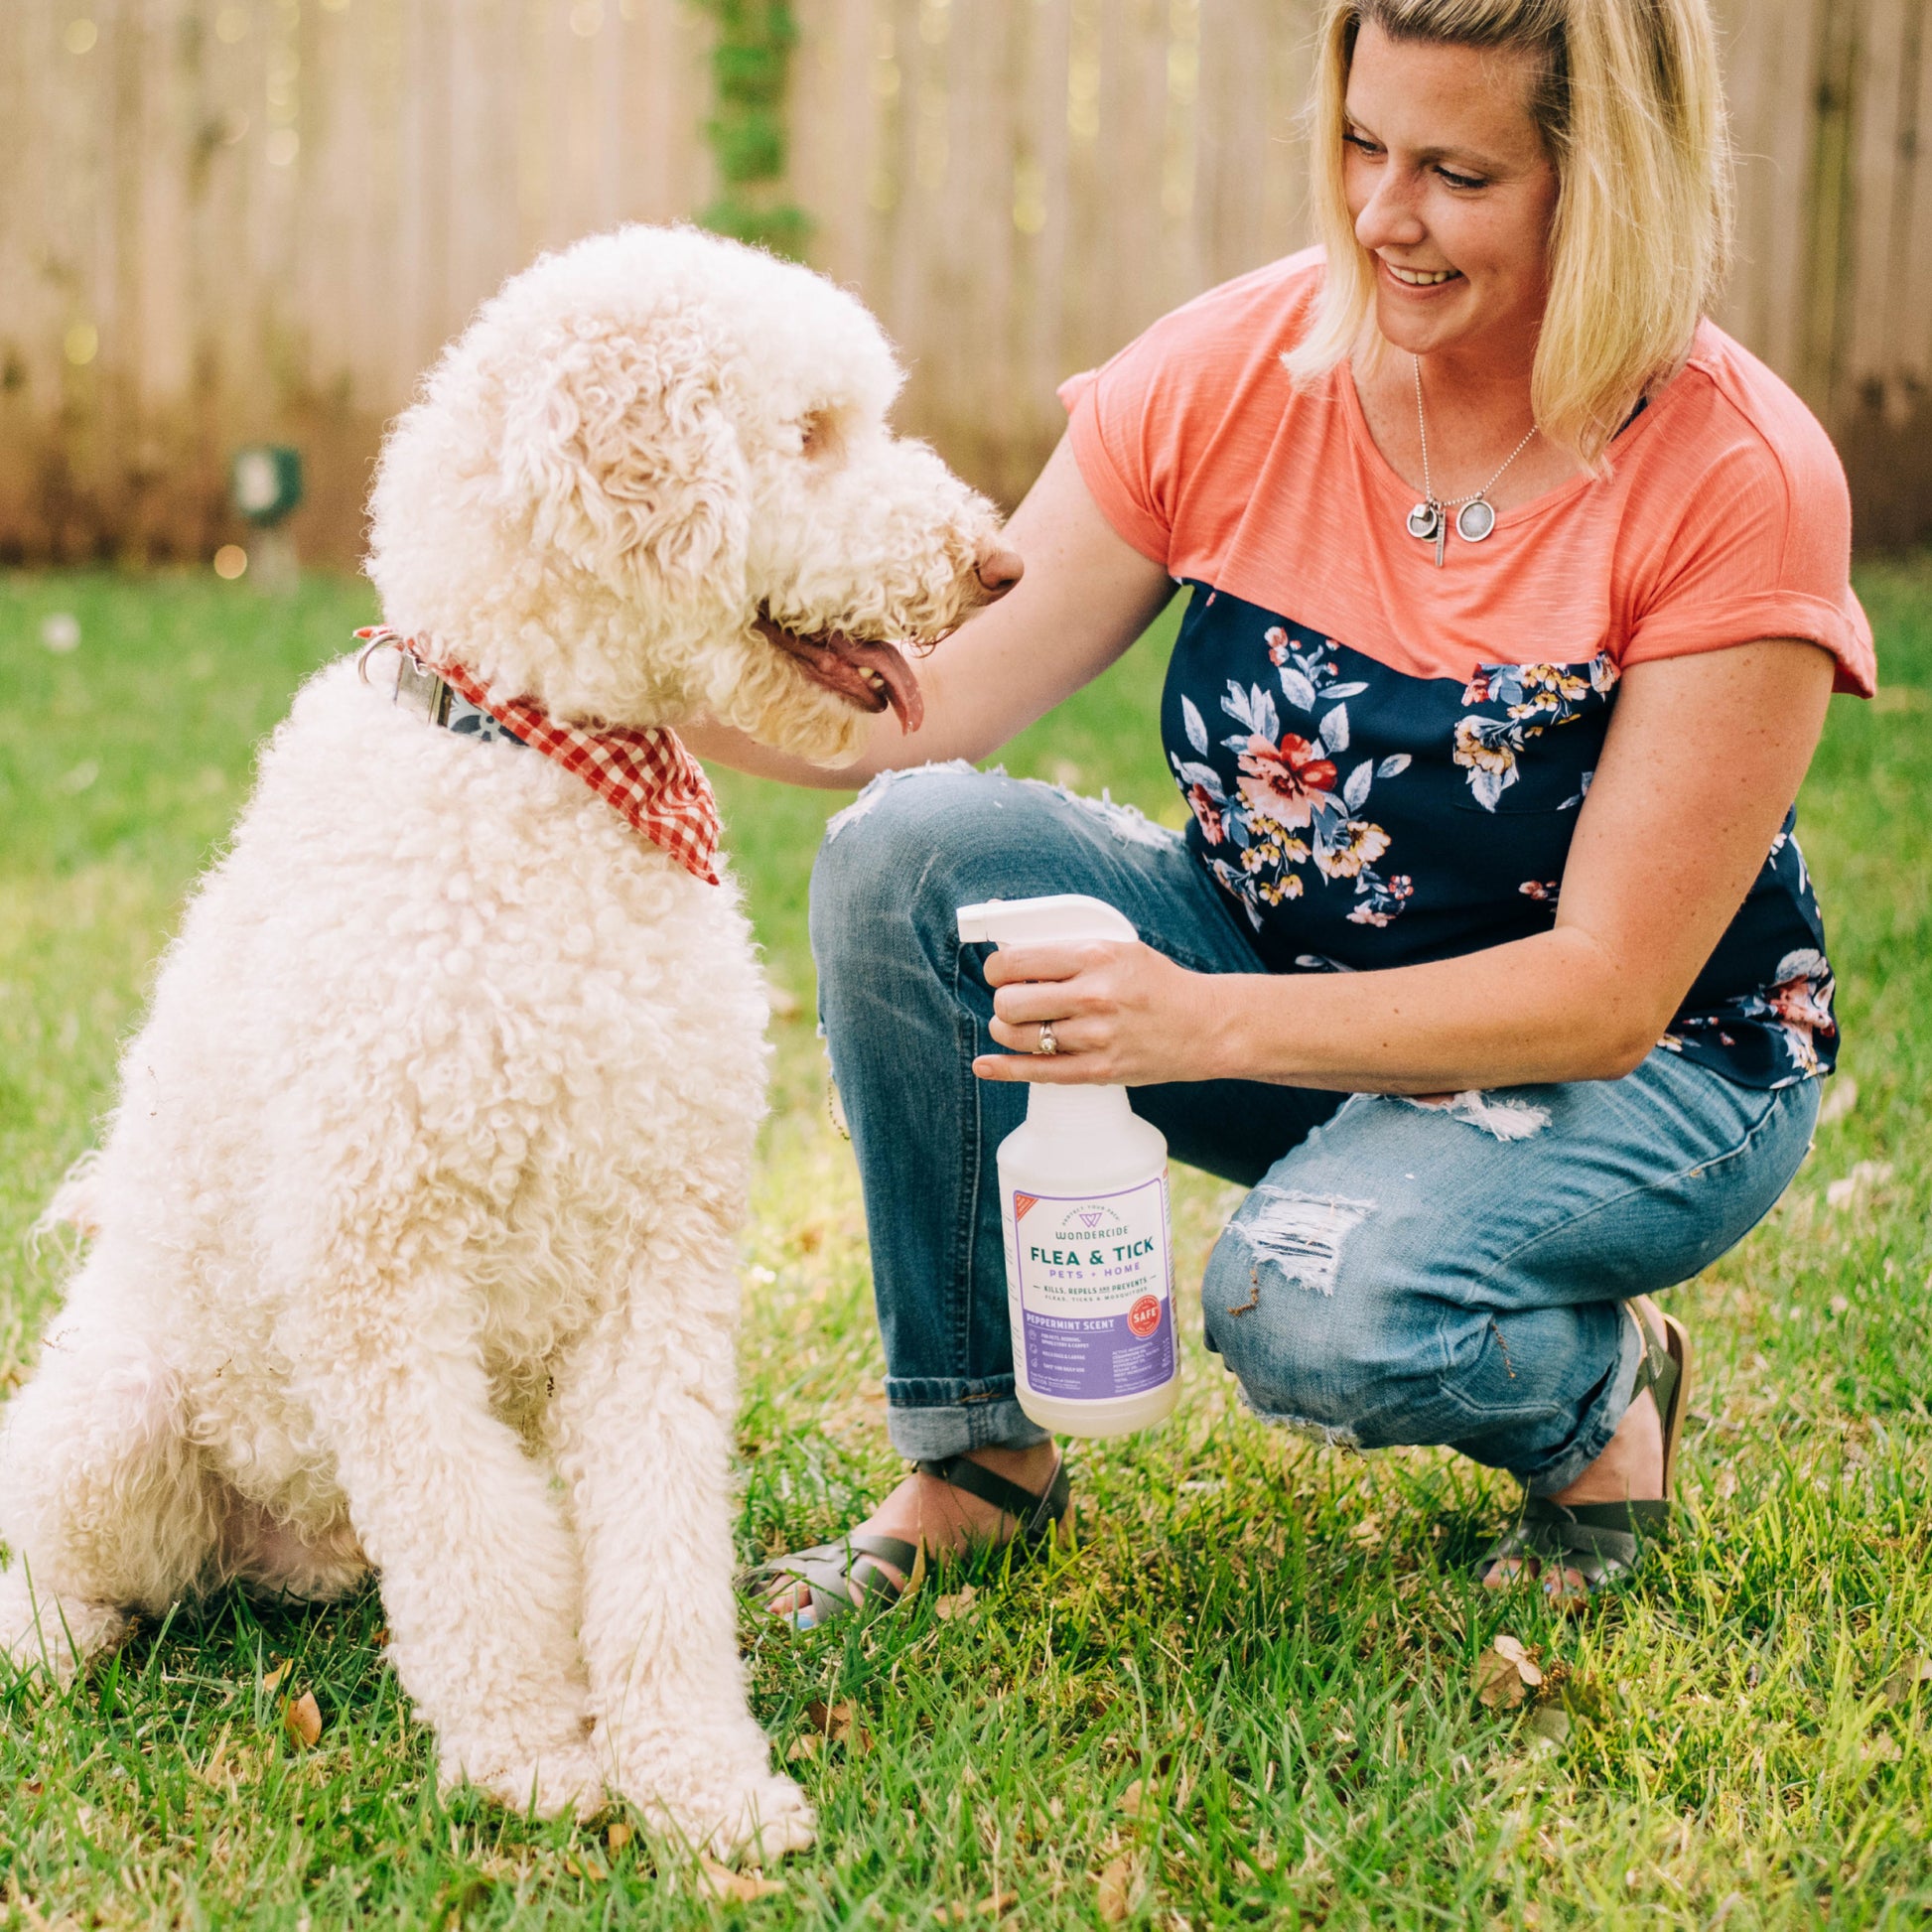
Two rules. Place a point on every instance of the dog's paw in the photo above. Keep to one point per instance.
(545, 1786)
(51, 1634)
(757, 1818)
(764, 1823)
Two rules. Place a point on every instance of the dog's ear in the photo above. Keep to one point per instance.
(617, 447)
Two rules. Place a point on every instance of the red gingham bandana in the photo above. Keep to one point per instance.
(647, 775)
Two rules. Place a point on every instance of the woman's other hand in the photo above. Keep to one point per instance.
(1123, 1014)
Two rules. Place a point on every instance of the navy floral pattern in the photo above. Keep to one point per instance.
(1360, 818)
(1295, 811)
(1532, 699)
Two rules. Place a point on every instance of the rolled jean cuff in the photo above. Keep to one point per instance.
(1599, 1422)
(929, 1417)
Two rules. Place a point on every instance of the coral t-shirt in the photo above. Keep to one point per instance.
(1384, 759)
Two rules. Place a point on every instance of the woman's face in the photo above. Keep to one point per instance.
(1452, 193)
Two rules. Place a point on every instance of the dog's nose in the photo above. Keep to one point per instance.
(998, 567)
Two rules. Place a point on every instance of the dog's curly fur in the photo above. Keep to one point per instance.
(413, 1240)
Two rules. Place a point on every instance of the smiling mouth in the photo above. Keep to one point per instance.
(869, 677)
(1422, 278)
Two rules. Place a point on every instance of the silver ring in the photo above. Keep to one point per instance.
(1047, 1044)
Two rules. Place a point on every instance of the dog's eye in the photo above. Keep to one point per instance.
(820, 437)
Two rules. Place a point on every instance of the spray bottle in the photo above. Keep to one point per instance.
(1083, 1201)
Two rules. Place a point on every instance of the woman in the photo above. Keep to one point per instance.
(1488, 960)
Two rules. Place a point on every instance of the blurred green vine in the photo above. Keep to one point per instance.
(750, 73)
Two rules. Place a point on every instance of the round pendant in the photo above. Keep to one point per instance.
(1423, 522)
(1474, 520)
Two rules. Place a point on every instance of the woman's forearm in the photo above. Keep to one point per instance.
(725, 744)
(1550, 1007)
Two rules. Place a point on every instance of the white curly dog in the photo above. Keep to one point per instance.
(413, 1240)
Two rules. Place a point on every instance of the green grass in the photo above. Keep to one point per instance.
(1248, 1700)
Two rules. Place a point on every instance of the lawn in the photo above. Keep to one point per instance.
(1251, 1696)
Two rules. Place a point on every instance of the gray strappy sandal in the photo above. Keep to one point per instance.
(1601, 1542)
(829, 1569)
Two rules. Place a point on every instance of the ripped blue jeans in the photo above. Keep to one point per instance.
(1398, 1273)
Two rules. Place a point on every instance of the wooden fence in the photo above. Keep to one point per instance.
(223, 220)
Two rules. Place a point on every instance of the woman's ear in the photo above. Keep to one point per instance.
(617, 449)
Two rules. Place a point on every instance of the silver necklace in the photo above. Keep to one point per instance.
(1476, 515)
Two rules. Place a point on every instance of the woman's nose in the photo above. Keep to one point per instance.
(999, 568)
(1389, 218)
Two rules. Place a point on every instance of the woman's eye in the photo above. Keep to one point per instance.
(1462, 181)
(1361, 143)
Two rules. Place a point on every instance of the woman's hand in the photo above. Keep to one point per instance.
(1123, 1014)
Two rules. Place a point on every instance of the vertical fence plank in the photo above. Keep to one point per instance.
(1914, 239)
(1877, 177)
(837, 163)
(1784, 135)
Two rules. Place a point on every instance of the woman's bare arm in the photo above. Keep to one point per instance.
(1704, 754)
(1085, 597)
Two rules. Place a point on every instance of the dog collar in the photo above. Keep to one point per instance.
(648, 777)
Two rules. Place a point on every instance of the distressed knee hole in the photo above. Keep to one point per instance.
(1300, 1236)
(1128, 823)
(1330, 1435)
(869, 798)
(1505, 1120)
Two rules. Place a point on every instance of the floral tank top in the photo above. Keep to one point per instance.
(1384, 763)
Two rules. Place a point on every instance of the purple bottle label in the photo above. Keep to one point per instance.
(1096, 1277)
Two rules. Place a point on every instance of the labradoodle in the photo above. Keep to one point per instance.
(412, 1244)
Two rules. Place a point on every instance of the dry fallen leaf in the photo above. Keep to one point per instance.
(1133, 1798)
(271, 1678)
(954, 1605)
(589, 1868)
(1506, 1674)
(1369, 1533)
(1497, 1683)
(835, 1723)
(734, 1887)
(1114, 1898)
(302, 1719)
(1510, 1647)
(806, 1744)
(618, 1837)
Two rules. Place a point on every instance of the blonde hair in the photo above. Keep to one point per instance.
(1627, 97)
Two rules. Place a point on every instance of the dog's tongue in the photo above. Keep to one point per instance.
(902, 687)
(841, 664)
